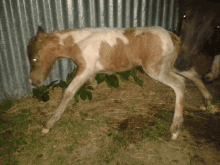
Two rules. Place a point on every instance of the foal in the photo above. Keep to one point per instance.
(109, 51)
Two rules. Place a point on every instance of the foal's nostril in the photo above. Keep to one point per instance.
(30, 81)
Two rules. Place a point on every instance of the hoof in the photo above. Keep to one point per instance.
(174, 136)
(213, 109)
(208, 77)
(44, 130)
(203, 108)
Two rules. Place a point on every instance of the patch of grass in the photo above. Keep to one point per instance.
(120, 139)
(192, 161)
(59, 160)
(215, 101)
(137, 127)
(11, 161)
(83, 115)
(13, 135)
(7, 103)
(161, 127)
(70, 148)
(108, 155)
(159, 130)
(19, 136)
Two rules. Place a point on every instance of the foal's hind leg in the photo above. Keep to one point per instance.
(177, 83)
(193, 75)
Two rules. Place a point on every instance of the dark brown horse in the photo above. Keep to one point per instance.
(199, 21)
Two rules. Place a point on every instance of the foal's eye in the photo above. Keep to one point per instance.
(34, 59)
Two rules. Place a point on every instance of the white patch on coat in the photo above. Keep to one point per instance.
(76, 35)
(215, 69)
(90, 46)
(80, 34)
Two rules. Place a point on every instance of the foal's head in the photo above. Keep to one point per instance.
(42, 50)
(198, 21)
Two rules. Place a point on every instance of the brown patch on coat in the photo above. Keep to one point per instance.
(129, 31)
(72, 51)
(144, 49)
(152, 61)
(115, 59)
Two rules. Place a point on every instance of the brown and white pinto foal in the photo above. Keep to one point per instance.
(109, 51)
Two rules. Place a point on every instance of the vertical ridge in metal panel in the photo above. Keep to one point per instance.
(32, 18)
(4, 80)
(149, 13)
(101, 13)
(135, 13)
(81, 16)
(5, 70)
(143, 13)
(110, 14)
(170, 18)
(176, 19)
(119, 14)
(21, 49)
(92, 13)
(127, 14)
(164, 14)
(12, 64)
(157, 13)
(70, 17)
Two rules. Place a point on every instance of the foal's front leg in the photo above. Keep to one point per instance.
(69, 93)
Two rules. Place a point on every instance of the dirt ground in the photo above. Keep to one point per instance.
(130, 110)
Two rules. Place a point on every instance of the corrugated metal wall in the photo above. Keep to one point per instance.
(19, 20)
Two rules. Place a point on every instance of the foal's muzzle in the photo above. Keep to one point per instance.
(35, 83)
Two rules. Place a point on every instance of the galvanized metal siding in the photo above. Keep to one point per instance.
(19, 20)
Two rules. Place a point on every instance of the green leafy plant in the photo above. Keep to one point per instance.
(100, 78)
(42, 93)
(215, 101)
(136, 79)
(124, 75)
(84, 93)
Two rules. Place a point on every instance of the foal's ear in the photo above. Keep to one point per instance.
(40, 31)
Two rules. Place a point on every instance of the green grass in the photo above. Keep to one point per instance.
(12, 135)
(108, 155)
(16, 137)
(7, 103)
